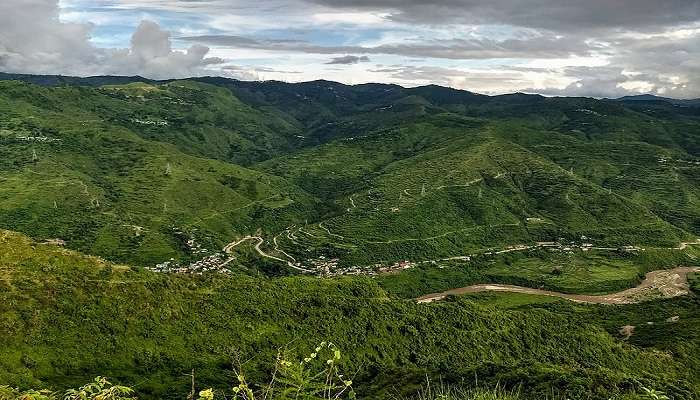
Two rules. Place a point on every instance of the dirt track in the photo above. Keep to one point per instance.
(657, 284)
(229, 247)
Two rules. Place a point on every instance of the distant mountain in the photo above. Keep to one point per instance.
(651, 97)
(436, 94)
(59, 80)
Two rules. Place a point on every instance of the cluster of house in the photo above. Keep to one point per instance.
(331, 269)
(395, 267)
(40, 139)
(324, 266)
(663, 160)
(559, 246)
(209, 263)
(212, 263)
(149, 122)
(591, 112)
(586, 246)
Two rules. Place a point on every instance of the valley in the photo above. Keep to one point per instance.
(155, 228)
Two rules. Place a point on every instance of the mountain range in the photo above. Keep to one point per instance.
(649, 97)
(130, 171)
(149, 229)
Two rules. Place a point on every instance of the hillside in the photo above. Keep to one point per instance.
(73, 173)
(145, 329)
(149, 228)
(368, 174)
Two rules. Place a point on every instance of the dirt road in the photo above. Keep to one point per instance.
(657, 284)
(229, 247)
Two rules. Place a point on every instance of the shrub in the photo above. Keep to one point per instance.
(315, 377)
(99, 389)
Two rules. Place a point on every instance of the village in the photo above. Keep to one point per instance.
(323, 266)
(149, 122)
(211, 263)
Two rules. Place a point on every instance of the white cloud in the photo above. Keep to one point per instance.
(570, 47)
(151, 55)
(359, 18)
(34, 40)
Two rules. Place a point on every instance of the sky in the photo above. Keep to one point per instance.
(598, 48)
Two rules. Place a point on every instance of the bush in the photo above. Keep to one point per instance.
(99, 389)
(316, 377)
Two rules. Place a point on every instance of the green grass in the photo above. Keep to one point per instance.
(445, 392)
(505, 300)
(572, 273)
(590, 272)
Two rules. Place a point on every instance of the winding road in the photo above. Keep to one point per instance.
(320, 225)
(274, 241)
(657, 284)
(229, 247)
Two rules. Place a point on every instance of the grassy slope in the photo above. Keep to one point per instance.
(591, 272)
(200, 119)
(203, 120)
(67, 317)
(426, 183)
(647, 161)
(466, 189)
(98, 181)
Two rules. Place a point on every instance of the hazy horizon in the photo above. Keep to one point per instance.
(352, 84)
(594, 49)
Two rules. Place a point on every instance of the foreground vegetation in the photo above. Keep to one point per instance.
(67, 317)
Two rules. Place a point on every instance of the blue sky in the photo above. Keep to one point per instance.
(555, 47)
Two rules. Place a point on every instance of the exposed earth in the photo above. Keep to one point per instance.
(657, 284)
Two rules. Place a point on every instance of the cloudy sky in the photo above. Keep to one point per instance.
(601, 48)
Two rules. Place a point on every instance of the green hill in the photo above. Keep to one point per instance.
(67, 317)
(405, 191)
(69, 172)
(448, 186)
(368, 173)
